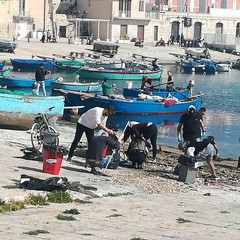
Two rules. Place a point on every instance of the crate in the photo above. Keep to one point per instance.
(52, 162)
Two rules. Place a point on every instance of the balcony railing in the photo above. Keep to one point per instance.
(27, 19)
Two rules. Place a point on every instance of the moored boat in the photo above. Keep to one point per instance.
(134, 106)
(126, 74)
(7, 46)
(4, 72)
(28, 64)
(20, 110)
(77, 86)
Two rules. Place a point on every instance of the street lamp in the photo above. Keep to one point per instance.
(84, 15)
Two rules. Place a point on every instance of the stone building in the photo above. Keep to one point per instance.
(123, 20)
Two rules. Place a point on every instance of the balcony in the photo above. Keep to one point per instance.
(28, 19)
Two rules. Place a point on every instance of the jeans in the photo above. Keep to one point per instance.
(41, 83)
(105, 160)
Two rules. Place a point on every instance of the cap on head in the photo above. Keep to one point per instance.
(191, 108)
(147, 77)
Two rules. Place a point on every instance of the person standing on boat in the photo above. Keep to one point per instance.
(190, 126)
(106, 87)
(147, 82)
(40, 78)
(94, 118)
(146, 130)
(170, 82)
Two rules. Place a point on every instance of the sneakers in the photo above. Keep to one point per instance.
(95, 170)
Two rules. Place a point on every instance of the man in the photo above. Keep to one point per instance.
(96, 157)
(170, 82)
(40, 78)
(147, 82)
(190, 126)
(94, 118)
(204, 150)
(106, 87)
(146, 130)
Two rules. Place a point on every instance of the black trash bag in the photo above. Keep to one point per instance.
(50, 184)
(32, 154)
(188, 161)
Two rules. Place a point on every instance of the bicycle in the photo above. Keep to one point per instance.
(41, 125)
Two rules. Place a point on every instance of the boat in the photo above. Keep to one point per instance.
(202, 66)
(223, 66)
(4, 72)
(7, 46)
(2, 65)
(28, 64)
(179, 93)
(106, 48)
(133, 74)
(66, 64)
(135, 106)
(18, 82)
(77, 86)
(116, 65)
(19, 110)
(195, 52)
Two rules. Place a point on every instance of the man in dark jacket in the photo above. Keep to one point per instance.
(40, 79)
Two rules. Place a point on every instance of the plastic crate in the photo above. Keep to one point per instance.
(52, 162)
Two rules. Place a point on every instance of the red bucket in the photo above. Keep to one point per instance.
(52, 162)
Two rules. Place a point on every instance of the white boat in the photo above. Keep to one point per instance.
(223, 67)
(195, 52)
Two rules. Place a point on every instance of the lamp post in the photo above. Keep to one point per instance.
(84, 14)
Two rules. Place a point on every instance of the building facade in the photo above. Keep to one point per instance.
(123, 20)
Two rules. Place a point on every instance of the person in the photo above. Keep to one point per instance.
(170, 82)
(97, 156)
(190, 126)
(146, 82)
(43, 37)
(145, 130)
(40, 78)
(155, 65)
(178, 39)
(202, 112)
(161, 42)
(48, 36)
(204, 150)
(94, 118)
(106, 87)
(182, 40)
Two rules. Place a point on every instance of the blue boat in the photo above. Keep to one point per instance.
(77, 86)
(19, 110)
(203, 66)
(28, 64)
(134, 106)
(2, 65)
(161, 92)
(133, 74)
(18, 82)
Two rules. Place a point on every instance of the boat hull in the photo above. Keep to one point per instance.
(20, 111)
(77, 86)
(141, 107)
(32, 65)
(22, 82)
(134, 92)
(96, 75)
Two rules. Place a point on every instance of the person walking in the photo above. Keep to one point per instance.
(170, 82)
(40, 79)
(48, 36)
(146, 130)
(94, 118)
(190, 126)
(106, 87)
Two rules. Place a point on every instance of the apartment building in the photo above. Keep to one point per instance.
(123, 20)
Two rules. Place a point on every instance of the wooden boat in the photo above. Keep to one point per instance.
(7, 46)
(66, 64)
(179, 93)
(203, 66)
(106, 48)
(116, 65)
(18, 82)
(77, 86)
(134, 106)
(19, 110)
(195, 52)
(2, 65)
(4, 72)
(28, 64)
(126, 74)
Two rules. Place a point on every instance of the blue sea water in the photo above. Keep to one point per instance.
(221, 98)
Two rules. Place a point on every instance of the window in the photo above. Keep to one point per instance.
(22, 7)
(223, 3)
(141, 6)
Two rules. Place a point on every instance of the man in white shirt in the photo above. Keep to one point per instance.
(93, 118)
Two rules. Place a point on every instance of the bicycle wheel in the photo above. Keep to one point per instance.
(36, 137)
(53, 130)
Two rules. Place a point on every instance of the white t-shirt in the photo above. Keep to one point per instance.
(93, 117)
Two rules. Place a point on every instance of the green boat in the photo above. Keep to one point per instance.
(66, 64)
(132, 74)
